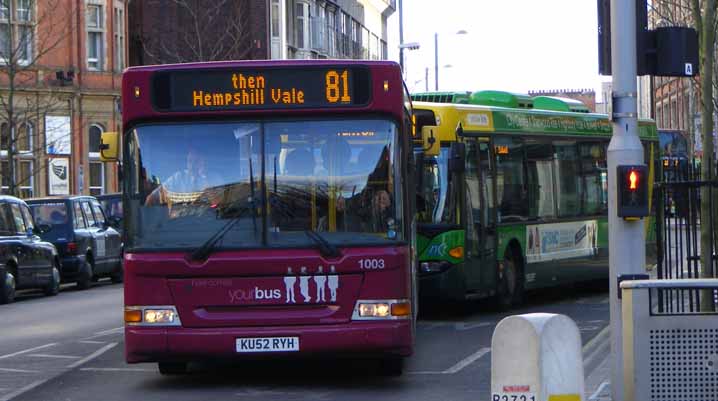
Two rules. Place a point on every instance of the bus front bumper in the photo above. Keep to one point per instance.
(157, 344)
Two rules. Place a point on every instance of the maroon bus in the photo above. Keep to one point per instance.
(267, 210)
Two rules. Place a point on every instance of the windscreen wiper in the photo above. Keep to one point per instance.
(326, 249)
(207, 247)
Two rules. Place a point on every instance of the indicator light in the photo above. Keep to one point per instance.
(137, 91)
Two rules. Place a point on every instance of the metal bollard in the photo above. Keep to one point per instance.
(536, 357)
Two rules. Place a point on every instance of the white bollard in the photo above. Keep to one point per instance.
(536, 357)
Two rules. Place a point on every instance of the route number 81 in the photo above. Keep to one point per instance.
(337, 87)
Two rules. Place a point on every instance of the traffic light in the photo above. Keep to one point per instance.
(632, 191)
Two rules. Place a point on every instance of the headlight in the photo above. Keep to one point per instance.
(434, 267)
(391, 309)
(151, 316)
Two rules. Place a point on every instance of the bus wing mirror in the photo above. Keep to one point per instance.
(457, 158)
(109, 147)
(428, 138)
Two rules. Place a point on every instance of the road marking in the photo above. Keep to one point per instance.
(595, 395)
(595, 346)
(55, 356)
(117, 370)
(105, 333)
(92, 342)
(10, 396)
(467, 361)
(92, 356)
(459, 365)
(469, 326)
(26, 351)
(18, 370)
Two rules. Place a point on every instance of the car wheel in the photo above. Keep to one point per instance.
(510, 283)
(391, 366)
(53, 287)
(172, 368)
(7, 291)
(86, 275)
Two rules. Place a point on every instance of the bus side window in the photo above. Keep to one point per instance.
(594, 178)
(511, 186)
(539, 167)
(567, 179)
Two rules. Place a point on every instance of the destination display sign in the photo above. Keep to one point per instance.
(275, 88)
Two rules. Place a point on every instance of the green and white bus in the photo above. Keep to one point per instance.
(512, 193)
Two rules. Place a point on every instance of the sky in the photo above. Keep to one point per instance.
(511, 45)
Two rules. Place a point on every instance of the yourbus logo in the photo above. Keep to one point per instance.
(257, 294)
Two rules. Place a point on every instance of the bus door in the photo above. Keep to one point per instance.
(480, 220)
(487, 231)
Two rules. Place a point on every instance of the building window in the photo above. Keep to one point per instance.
(95, 139)
(95, 36)
(97, 178)
(25, 179)
(23, 138)
(275, 18)
(302, 25)
(16, 15)
(119, 26)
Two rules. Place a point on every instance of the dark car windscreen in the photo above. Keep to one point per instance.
(55, 215)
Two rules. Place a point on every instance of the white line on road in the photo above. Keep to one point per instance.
(459, 365)
(116, 370)
(595, 395)
(92, 342)
(26, 351)
(110, 331)
(10, 396)
(92, 356)
(18, 370)
(467, 361)
(105, 333)
(55, 356)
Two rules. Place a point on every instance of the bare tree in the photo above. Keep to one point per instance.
(206, 30)
(27, 93)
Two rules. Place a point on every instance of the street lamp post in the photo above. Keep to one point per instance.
(436, 57)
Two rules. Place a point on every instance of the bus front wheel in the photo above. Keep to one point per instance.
(510, 291)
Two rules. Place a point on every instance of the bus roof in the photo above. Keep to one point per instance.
(252, 88)
(493, 119)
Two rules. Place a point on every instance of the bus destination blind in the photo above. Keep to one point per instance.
(246, 89)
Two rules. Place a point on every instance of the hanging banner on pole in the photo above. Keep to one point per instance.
(57, 135)
(58, 176)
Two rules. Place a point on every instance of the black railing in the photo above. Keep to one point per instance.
(679, 194)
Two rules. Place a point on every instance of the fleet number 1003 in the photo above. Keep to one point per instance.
(371, 264)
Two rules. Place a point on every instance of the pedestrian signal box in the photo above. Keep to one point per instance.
(632, 191)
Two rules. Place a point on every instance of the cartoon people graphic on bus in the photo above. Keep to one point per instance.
(304, 285)
(321, 280)
(289, 281)
(333, 281)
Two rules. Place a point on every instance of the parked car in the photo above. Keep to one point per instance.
(112, 205)
(26, 261)
(88, 247)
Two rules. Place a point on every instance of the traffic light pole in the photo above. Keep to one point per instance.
(626, 239)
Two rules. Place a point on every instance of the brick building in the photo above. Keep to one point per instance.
(586, 96)
(66, 57)
(164, 32)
